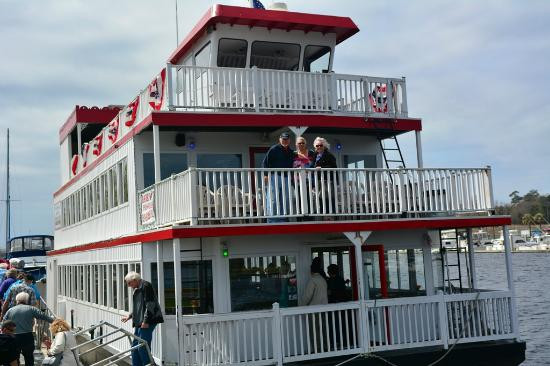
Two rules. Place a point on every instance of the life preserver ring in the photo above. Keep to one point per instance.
(378, 99)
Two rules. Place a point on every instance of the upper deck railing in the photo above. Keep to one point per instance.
(203, 196)
(261, 90)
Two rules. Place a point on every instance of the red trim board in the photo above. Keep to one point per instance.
(291, 228)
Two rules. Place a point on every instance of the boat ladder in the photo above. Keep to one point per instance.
(452, 268)
(109, 334)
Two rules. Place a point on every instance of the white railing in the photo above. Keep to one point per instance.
(404, 323)
(320, 331)
(217, 88)
(232, 195)
(229, 339)
(479, 316)
(285, 335)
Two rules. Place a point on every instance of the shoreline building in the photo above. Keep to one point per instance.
(172, 186)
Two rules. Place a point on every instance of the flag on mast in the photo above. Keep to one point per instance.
(256, 4)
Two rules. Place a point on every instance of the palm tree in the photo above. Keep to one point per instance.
(539, 220)
(527, 219)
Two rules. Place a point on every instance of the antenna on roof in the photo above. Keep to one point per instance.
(177, 30)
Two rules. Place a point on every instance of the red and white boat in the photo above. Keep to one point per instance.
(171, 186)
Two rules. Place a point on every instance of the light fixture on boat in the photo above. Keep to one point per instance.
(225, 251)
(339, 145)
(191, 145)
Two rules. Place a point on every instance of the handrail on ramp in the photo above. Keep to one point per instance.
(122, 333)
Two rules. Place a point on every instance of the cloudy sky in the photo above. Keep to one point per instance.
(477, 74)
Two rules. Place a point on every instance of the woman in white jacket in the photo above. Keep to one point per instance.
(64, 340)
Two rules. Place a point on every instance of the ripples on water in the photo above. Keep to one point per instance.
(531, 273)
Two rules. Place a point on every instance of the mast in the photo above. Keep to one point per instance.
(8, 191)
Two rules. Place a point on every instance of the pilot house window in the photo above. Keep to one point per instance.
(232, 52)
(316, 58)
(276, 56)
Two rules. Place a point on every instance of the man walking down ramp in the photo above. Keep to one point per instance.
(23, 316)
(145, 315)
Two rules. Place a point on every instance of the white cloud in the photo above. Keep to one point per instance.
(476, 73)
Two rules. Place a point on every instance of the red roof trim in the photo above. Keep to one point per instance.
(136, 130)
(87, 115)
(282, 120)
(344, 27)
(279, 229)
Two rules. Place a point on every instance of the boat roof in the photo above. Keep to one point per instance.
(82, 114)
(343, 27)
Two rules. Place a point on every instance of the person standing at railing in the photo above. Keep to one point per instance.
(277, 157)
(325, 181)
(303, 158)
(145, 315)
(23, 316)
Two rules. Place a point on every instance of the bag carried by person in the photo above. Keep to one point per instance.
(54, 360)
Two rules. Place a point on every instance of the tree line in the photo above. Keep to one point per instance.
(530, 209)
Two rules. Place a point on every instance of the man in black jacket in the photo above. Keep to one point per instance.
(145, 315)
(278, 156)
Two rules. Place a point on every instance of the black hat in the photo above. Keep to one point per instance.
(284, 135)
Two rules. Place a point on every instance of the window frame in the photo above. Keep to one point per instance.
(246, 56)
(331, 51)
(300, 53)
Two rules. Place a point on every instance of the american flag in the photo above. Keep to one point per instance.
(257, 4)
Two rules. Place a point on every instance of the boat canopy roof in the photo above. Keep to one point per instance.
(343, 27)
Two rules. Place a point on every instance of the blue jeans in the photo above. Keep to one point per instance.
(140, 357)
(276, 189)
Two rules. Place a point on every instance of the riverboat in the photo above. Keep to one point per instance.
(172, 185)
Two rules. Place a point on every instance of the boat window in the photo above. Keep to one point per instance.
(274, 55)
(232, 52)
(170, 163)
(220, 161)
(48, 243)
(316, 58)
(360, 161)
(36, 243)
(196, 284)
(405, 272)
(257, 282)
(17, 245)
(202, 58)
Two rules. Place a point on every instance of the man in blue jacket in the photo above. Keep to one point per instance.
(278, 156)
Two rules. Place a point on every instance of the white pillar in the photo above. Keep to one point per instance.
(419, 160)
(358, 239)
(160, 294)
(156, 152)
(471, 257)
(510, 275)
(177, 293)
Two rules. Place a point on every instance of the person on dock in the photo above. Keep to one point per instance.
(23, 316)
(64, 340)
(9, 348)
(145, 315)
(18, 288)
(9, 279)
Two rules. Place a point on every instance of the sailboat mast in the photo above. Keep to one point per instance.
(8, 191)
